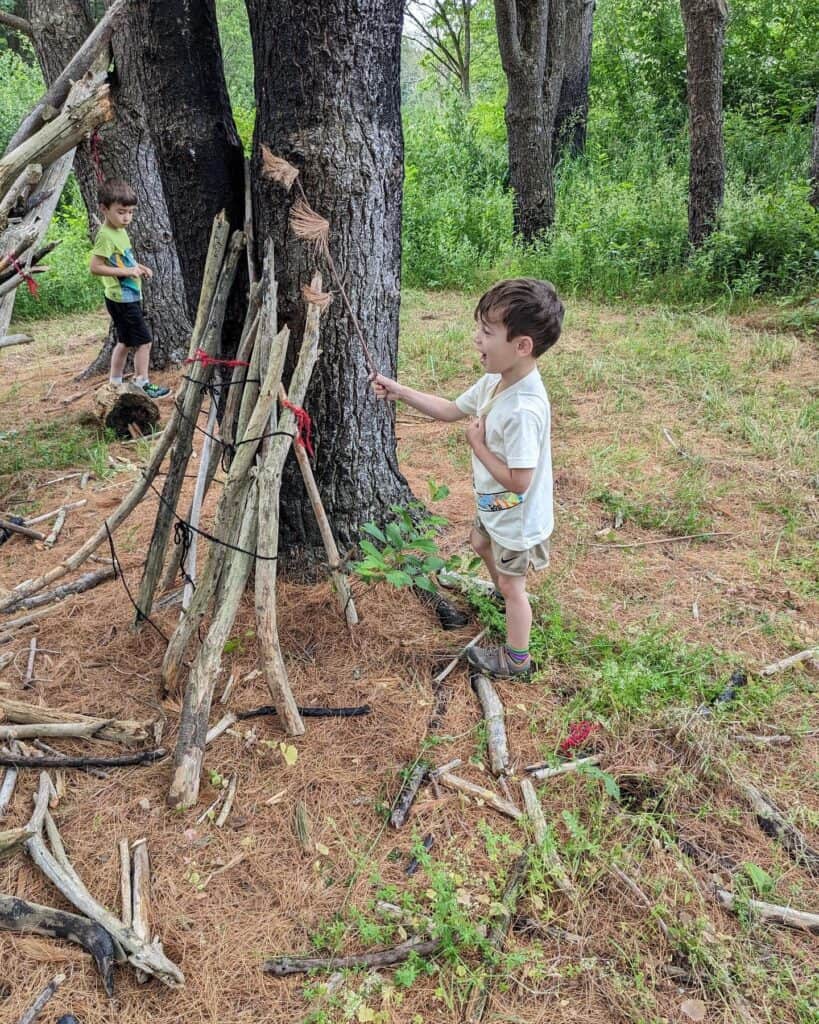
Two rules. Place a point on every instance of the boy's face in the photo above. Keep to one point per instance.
(118, 215)
(498, 354)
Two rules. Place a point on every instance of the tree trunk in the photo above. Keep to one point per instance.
(187, 110)
(531, 38)
(569, 133)
(333, 111)
(124, 151)
(704, 22)
(814, 166)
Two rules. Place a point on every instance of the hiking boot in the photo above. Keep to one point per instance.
(155, 390)
(495, 661)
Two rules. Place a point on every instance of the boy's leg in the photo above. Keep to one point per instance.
(142, 357)
(518, 613)
(482, 546)
(118, 357)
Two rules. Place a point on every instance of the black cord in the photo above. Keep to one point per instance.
(115, 564)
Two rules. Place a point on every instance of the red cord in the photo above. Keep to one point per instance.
(202, 357)
(304, 426)
(31, 284)
(579, 732)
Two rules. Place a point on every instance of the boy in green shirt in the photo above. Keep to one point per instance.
(112, 259)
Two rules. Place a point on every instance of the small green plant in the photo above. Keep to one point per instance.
(405, 552)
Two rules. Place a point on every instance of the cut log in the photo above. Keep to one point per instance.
(282, 966)
(772, 913)
(17, 915)
(124, 731)
(24, 531)
(480, 793)
(118, 406)
(142, 955)
(493, 714)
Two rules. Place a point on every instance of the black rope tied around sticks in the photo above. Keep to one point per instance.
(183, 537)
(186, 526)
(229, 447)
(118, 573)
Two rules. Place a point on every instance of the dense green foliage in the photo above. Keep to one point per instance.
(621, 207)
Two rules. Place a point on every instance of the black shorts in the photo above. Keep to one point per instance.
(129, 323)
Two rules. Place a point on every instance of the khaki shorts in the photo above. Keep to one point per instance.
(515, 563)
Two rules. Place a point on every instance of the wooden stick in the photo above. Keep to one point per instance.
(763, 741)
(148, 957)
(562, 769)
(37, 1007)
(16, 339)
(124, 731)
(46, 749)
(534, 812)
(141, 896)
(13, 838)
(118, 761)
(17, 915)
(794, 659)
(125, 889)
(26, 181)
(282, 966)
(56, 729)
(12, 626)
(28, 679)
(772, 913)
(480, 793)
(216, 285)
(55, 512)
(9, 782)
(24, 531)
(341, 582)
(269, 487)
(220, 728)
(228, 690)
(189, 567)
(79, 64)
(493, 714)
(479, 997)
(59, 523)
(80, 585)
(664, 540)
(453, 663)
(773, 822)
(407, 794)
(227, 806)
(209, 813)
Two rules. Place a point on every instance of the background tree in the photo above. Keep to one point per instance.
(443, 30)
(122, 149)
(334, 112)
(814, 164)
(704, 22)
(569, 131)
(531, 38)
(188, 113)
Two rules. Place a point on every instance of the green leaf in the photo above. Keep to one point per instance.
(394, 535)
(399, 579)
(425, 584)
(373, 531)
(758, 877)
(369, 548)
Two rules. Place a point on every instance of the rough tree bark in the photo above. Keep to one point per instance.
(704, 22)
(333, 111)
(531, 38)
(569, 132)
(814, 166)
(125, 151)
(188, 113)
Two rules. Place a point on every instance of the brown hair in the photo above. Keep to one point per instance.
(526, 307)
(116, 191)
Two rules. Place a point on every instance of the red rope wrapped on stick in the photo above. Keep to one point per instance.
(202, 357)
(304, 426)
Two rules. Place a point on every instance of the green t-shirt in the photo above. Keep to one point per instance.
(114, 245)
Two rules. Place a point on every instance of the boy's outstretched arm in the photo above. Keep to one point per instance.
(431, 405)
(102, 268)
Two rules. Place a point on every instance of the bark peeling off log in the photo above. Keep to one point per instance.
(17, 915)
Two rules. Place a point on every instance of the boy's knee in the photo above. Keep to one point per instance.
(479, 542)
(510, 586)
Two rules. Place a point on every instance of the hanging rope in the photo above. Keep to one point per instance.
(31, 284)
(115, 565)
(304, 426)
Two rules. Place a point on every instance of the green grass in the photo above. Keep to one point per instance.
(53, 446)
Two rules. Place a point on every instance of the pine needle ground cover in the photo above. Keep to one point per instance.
(665, 425)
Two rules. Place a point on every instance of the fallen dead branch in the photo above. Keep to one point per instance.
(124, 731)
(480, 793)
(663, 540)
(546, 772)
(282, 966)
(65, 730)
(407, 794)
(534, 812)
(69, 761)
(46, 749)
(18, 915)
(56, 529)
(794, 659)
(10, 840)
(28, 678)
(37, 1007)
(80, 585)
(15, 339)
(141, 895)
(772, 913)
(142, 955)
(125, 888)
(493, 714)
(24, 531)
(227, 806)
(773, 823)
(476, 1007)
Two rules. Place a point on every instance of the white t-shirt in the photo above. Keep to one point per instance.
(517, 431)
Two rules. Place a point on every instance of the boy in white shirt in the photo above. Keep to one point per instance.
(509, 433)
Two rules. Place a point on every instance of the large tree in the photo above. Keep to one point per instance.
(328, 96)
(704, 22)
(123, 149)
(177, 55)
(569, 131)
(531, 38)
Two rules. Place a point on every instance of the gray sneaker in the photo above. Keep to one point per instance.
(495, 661)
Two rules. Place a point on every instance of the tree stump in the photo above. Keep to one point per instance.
(120, 406)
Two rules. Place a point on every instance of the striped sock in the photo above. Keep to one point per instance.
(517, 656)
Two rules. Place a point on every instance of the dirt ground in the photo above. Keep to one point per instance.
(226, 899)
